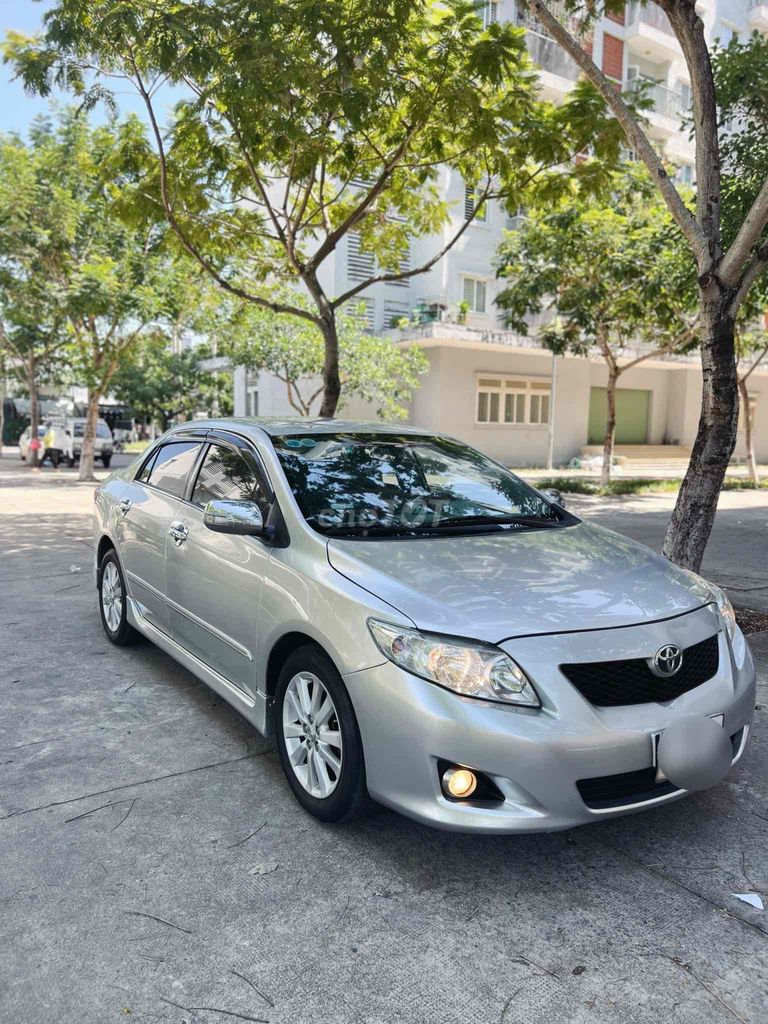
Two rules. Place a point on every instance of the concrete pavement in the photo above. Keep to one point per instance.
(137, 812)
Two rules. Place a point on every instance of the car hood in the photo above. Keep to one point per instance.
(519, 583)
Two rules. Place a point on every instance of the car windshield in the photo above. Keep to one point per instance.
(102, 430)
(386, 484)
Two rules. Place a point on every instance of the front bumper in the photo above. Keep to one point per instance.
(537, 757)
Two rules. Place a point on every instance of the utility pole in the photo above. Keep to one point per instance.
(552, 398)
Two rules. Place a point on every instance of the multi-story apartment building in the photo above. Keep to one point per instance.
(488, 385)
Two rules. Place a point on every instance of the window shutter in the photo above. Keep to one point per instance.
(468, 293)
(479, 296)
(360, 265)
(403, 266)
(469, 203)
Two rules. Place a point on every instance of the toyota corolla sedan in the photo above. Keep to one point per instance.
(414, 623)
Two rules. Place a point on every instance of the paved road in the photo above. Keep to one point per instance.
(135, 806)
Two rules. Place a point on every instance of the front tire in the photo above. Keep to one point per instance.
(318, 739)
(105, 461)
(113, 602)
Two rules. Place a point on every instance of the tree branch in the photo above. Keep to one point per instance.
(746, 238)
(406, 274)
(748, 278)
(754, 365)
(194, 252)
(331, 241)
(634, 133)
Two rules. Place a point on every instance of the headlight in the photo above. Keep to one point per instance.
(724, 606)
(471, 669)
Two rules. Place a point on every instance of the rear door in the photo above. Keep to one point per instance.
(146, 511)
(215, 580)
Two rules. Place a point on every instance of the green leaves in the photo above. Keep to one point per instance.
(372, 368)
(607, 275)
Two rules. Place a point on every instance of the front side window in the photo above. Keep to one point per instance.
(358, 484)
(169, 468)
(102, 430)
(226, 476)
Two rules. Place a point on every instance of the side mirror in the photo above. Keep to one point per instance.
(553, 495)
(240, 517)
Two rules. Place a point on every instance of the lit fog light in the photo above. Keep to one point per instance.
(459, 782)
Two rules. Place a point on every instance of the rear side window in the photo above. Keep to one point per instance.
(169, 468)
(226, 476)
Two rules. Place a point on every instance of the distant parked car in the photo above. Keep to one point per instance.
(26, 437)
(103, 444)
(411, 620)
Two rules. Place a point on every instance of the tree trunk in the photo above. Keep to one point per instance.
(610, 430)
(749, 439)
(34, 410)
(694, 513)
(331, 380)
(89, 436)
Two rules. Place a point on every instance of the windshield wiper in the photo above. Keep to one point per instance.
(533, 521)
(376, 530)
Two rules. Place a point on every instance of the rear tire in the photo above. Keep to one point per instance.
(113, 602)
(318, 739)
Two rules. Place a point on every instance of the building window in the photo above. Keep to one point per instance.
(513, 401)
(252, 395)
(469, 206)
(473, 292)
(684, 174)
(490, 13)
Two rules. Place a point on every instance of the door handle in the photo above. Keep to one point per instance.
(179, 532)
(125, 506)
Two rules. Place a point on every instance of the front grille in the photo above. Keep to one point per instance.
(608, 791)
(609, 684)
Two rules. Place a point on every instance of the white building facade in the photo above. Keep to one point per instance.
(488, 386)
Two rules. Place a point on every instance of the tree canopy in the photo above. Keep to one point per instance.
(608, 279)
(371, 368)
(302, 122)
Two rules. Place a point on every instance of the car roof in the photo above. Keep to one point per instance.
(280, 427)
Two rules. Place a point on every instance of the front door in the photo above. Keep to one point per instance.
(632, 413)
(214, 580)
(147, 511)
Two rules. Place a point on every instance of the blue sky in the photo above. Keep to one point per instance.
(17, 108)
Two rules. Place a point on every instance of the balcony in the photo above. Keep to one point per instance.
(559, 71)
(757, 15)
(669, 105)
(648, 32)
(551, 57)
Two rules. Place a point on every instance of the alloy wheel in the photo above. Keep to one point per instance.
(112, 596)
(312, 734)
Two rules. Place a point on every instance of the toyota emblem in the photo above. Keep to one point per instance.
(667, 661)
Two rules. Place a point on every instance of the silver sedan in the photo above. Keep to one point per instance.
(415, 624)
